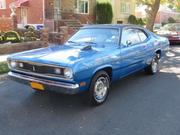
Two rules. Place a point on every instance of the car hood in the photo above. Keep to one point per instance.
(59, 55)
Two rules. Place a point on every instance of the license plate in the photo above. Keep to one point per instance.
(37, 86)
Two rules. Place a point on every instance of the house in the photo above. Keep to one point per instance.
(55, 13)
(84, 11)
(5, 20)
(164, 13)
(122, 9)
(27, 11)
(4, 8)
(162, 16)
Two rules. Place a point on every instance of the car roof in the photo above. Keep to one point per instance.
(110, 26)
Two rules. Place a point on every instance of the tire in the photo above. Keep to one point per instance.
(99, 88)
(153, 68)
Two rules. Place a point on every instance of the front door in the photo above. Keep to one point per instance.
(132, 52)
(23, 16)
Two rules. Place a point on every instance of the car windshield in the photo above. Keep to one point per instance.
(171, 27)
(95, 36)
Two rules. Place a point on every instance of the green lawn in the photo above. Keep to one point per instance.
(3, 67)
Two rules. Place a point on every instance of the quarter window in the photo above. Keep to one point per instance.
(130, 37)
(142, 35)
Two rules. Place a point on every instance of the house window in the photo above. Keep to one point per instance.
(83, 6)
(2, 4)
(125, 7)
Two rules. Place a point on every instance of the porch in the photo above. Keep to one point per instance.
(72, 13)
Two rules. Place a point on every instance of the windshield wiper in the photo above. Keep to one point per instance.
(73, 42)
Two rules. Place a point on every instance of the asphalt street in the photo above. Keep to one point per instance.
(137, 105)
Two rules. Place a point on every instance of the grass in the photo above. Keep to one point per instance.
(3, 68)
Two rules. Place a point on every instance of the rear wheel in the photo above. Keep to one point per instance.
(153, 68)
(99, 88)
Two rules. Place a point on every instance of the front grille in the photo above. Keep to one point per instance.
(38, 68)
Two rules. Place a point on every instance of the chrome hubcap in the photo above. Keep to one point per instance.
(101, 88)
(154, 66)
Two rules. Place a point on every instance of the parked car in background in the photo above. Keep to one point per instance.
(157, 27)
(171, 31)
(90, 60)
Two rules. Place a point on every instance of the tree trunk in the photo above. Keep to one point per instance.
(151, 14)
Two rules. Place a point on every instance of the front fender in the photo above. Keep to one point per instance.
(86, 75)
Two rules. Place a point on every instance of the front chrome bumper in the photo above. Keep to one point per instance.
(62, 87)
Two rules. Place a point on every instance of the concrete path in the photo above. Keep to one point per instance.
(3, 58)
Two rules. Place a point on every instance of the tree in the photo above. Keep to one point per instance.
(104, 13)
(153, 7)
(151, 10)
(174, 4)
(132, 19)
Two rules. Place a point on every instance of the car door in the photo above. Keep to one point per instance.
(148, 48)
(131, 51)
(144, 47)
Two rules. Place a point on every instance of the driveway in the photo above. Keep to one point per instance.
(137, 105)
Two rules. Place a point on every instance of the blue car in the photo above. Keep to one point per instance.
(90, 60)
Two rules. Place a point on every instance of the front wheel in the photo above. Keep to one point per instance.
(99, 88)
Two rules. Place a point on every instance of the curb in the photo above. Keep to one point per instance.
(3, 77)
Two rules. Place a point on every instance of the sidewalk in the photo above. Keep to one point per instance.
(3, 58)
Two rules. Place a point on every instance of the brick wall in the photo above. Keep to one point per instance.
(5, 24)
(19, 47)
(35, 11)
(6, 12)
(67, 5)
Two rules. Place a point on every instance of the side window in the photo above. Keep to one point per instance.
(142, 35)
(130, 37)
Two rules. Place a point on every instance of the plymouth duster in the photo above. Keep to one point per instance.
(93, 58)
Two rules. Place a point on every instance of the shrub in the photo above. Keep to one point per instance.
(30, 34)
(132, 19)
(3, 68)
(104, 13)
(29, 26)
(1, 38)
(140, 22)
(171, 20)
(164, 23)
(12, 36)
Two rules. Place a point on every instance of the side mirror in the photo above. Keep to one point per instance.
(128, 42)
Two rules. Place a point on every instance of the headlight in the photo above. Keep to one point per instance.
(57, 71)
(68, 73)
(13, 64)
(21, 65)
